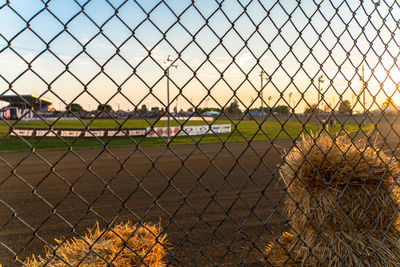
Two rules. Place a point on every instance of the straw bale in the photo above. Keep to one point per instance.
(97, 247)
(342, 203)
(340, 184)
(344, 249)
(279, 253)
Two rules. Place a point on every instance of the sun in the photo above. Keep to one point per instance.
(389, 81)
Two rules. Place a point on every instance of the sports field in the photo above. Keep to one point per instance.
(242, 131)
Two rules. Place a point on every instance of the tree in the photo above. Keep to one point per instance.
(155, 109)
(282, 109)
(388, 103)
(144, 108)
(328, 108)
(266, 110)
(344, 106)
(311, 109)
(74, 107)
(233, 108)
(105, 107)
(202, 110)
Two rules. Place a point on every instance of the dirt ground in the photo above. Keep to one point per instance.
(219, 205)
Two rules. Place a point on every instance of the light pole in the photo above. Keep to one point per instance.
(294, 105)
(176, 104)
(88, 106)
(169, 63)
(148, 101)
(320, 80)
(206, 102)
(262, 78)
(290, 101)
(364, 86)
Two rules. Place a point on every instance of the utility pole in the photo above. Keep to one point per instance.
(262, 78)
(290, 100)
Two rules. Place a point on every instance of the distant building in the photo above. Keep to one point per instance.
(258, 113)
(18, 104)
(211, 113)
(10, 113)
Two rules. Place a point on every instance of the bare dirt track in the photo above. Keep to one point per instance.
(216, 203)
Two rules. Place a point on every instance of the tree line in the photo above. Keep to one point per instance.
(75, 107)
(234, 108)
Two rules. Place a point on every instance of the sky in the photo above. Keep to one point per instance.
(113, 51)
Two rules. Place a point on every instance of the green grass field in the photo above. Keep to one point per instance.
(242, 131)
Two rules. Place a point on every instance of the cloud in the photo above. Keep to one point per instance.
(244, 59)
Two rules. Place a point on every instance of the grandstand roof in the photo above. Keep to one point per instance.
(24, 100)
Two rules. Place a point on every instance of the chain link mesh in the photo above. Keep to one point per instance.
(273, 70)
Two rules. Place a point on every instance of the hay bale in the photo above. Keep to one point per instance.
(357, 249)
(124, 245)
(340, 185)
(279, 252)
(342, 204)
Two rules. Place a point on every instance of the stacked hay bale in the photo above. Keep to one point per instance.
(123, 245)
(342, 203)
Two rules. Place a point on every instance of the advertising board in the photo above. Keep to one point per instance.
(188, 130)
(73, 132)
(104, 132)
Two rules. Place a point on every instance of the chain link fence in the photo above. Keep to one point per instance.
(184, 118)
